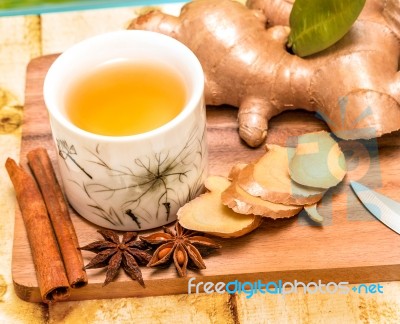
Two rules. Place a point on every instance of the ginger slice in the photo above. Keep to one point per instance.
(318, 161)
(269, 179)
(313, 214)
(242, 202)
(206, 213)
(235, 170)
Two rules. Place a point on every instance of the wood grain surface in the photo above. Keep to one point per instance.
(351, 246)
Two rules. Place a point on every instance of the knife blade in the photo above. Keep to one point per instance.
(383, 208)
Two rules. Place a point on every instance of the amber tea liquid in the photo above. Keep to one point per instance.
(125, 98)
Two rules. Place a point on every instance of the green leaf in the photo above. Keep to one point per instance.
(317, 24)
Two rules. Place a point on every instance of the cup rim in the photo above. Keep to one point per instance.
(195, 98)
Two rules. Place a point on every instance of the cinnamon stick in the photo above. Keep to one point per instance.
(41, 166)
(50, 272)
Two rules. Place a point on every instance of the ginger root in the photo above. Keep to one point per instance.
(354, 85)
(206, 213)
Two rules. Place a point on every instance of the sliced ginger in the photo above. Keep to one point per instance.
(284, 179)
(267, 188)
(269, 179)
(206, 213)
(242, 202)
(313, 213)
(318, 161)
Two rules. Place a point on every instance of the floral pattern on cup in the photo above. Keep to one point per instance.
(173, 176)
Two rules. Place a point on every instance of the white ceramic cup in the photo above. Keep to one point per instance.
(132, 182)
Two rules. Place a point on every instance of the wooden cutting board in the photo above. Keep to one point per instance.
(351, 246)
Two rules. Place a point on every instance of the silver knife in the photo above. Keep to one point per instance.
(383, 208)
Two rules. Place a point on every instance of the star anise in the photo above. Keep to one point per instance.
(111, 253)
(182, 246)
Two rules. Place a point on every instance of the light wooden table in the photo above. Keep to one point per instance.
(23, 38)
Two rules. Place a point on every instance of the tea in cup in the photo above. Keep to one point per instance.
(128, 120)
